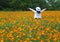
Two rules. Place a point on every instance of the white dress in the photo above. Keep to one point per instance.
(37, 15)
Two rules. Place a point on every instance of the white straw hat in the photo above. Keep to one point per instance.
(38, 9)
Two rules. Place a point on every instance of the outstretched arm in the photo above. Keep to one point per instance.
(32, 9)
(43, 10)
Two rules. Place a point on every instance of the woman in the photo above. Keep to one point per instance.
(37, 12)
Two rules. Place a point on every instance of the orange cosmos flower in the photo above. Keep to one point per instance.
(47, 29)
(21, 40)
(59, 33)
(42, 40)
(30, 29)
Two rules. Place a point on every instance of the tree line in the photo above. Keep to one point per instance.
(23, 5)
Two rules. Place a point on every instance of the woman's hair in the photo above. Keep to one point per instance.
(38, 12)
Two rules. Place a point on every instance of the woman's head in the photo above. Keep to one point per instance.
(38, 9)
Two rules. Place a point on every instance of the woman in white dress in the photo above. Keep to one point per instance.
(37, 12)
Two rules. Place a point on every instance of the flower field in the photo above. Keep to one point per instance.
(20, 26)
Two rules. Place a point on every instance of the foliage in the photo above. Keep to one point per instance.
(25, 4)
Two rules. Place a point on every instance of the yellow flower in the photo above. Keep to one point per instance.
(43, 32)
(2, 40)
